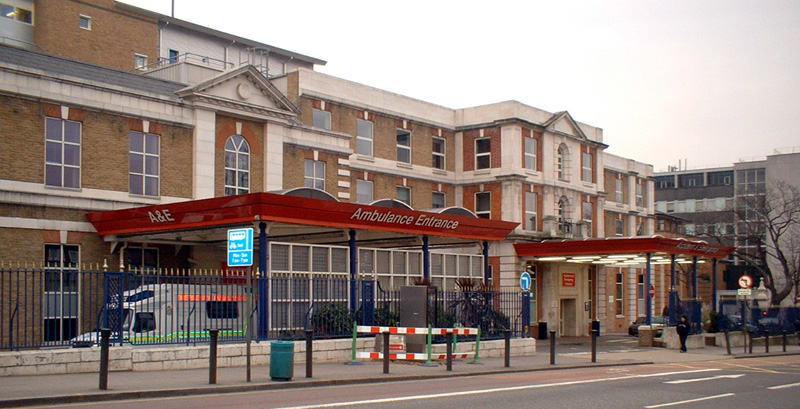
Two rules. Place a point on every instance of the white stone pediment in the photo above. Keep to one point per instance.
(563, 123)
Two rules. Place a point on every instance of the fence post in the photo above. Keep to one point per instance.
(594, 345)
(766, 341)
(355, 344)
(449, 359)
(105, 336)
(750, 347)
(727, 342)
(385, 351)
(212, 356)
(309, 353)
(552, 347)
(507, 337)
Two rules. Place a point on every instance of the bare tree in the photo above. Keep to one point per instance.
(768, 236)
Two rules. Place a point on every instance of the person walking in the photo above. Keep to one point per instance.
(683, 331)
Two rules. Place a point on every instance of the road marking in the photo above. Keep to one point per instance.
(493, 390)
(724, 395)
(705, 379)
(784, 386)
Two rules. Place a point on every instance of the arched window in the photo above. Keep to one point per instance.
(562, 216)
(237, 166)
(562, 161)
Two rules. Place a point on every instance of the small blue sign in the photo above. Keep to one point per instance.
(240, 247)
(525, 281)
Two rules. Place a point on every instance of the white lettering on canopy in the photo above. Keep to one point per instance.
(389, 217)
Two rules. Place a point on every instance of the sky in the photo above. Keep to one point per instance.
(671, 82)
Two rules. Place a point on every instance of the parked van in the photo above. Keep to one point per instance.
(170, 313)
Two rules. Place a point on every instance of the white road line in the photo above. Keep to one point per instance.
(494, 390)
(680, 381)
(724, 395)
(791, 385)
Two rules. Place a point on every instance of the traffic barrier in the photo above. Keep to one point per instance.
(364, 329)
(412, 356)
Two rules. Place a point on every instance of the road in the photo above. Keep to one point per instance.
(767, 382)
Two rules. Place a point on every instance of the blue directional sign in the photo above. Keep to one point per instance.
(240, 247)
(525, 281)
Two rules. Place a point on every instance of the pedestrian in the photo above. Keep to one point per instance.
(683, 331)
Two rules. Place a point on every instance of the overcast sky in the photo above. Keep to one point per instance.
(708, 82)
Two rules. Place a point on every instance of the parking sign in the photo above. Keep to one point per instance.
(240, 247)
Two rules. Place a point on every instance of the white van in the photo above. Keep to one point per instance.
(170, 313)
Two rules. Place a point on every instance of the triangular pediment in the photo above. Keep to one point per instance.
(563, 123)
(242, 89)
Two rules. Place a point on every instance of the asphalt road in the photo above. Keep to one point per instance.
(768, 382)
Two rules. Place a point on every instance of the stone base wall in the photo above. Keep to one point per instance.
(163, 358)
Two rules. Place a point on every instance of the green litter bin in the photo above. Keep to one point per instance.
(281, 360)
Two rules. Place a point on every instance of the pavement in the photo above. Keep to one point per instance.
(613, 350)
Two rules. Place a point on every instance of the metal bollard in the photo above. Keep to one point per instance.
(594, 345)
(744, 339)
(727, 342)
(766, 341)
(212, 356)
(385, 351)
(552, 347)
(309, 353)
(750, 347)
(105, 336)
(507, 336)
(449, 353)
(784, 340)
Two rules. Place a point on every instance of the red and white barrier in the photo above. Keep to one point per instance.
(411, 330)
(413, 356)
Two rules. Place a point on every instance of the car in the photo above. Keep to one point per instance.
(657, 322)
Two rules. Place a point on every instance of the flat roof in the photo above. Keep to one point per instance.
(622, 245)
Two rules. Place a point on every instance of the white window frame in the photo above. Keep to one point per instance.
(84, 18)
(619, 227)
(639, 195)
(587, 217)
(404, 149)
(364, 139)
(316, 177)
(483, 212)
(618, 193)
(587, 168)
(531, 146)
(64, 298)
(531, 211)
(561, 163)
(364, 191)
(149, 161)
(237, 188)
(140, 61)
(404, 191)
(434, 204)
(61, 146)
(619, 296)
(321, 119)
(483, 156)
(438, 161)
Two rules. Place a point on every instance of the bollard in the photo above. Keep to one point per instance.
(727, 342)
(477, 348)
(212, 356)
(594, 345)
(744, 338)
(507, 336)
(449, 353)
(385, 351)
(766, 341)
(750, 347)
(784, 340)
(105, 335)
(428, 362)
(309, 353)
(552, 347)
(353, 361)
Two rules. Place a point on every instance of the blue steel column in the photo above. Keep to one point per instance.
(694, 277)
(263, 284)
(648, 307)
(353, 271)
(426, 260)
(486, 277)
(714, 286)
(673, 292)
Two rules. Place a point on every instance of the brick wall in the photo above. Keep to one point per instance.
(115, 36)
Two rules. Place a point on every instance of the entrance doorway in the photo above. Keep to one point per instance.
(568, 327)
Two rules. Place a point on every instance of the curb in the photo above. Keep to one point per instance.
(162, 393)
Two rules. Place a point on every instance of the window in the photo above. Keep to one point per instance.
(85, 22)
(530, 153)
(618, 196)
(322, 119)
(531, 206)
(143, 165)
(662, 225)
(618, 296)
(483, 205)
(363, 191)
(690, 229)
(140, 62)
(173, 56)
(237, 166)
(403, 146)
(619, 227)
(438, 200)
(404, 194)
(315, 174)
(586, 167)
(222, 309)
(561, 162)
(142, 260)
(63, 153)
(16, 13)
(665, 182)
(438, 153)
(144, 322)
(483, 153)
(639, 195)
(61, 292)
(640, 294)
(639, 229)
(364, 137)
(587, 216)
